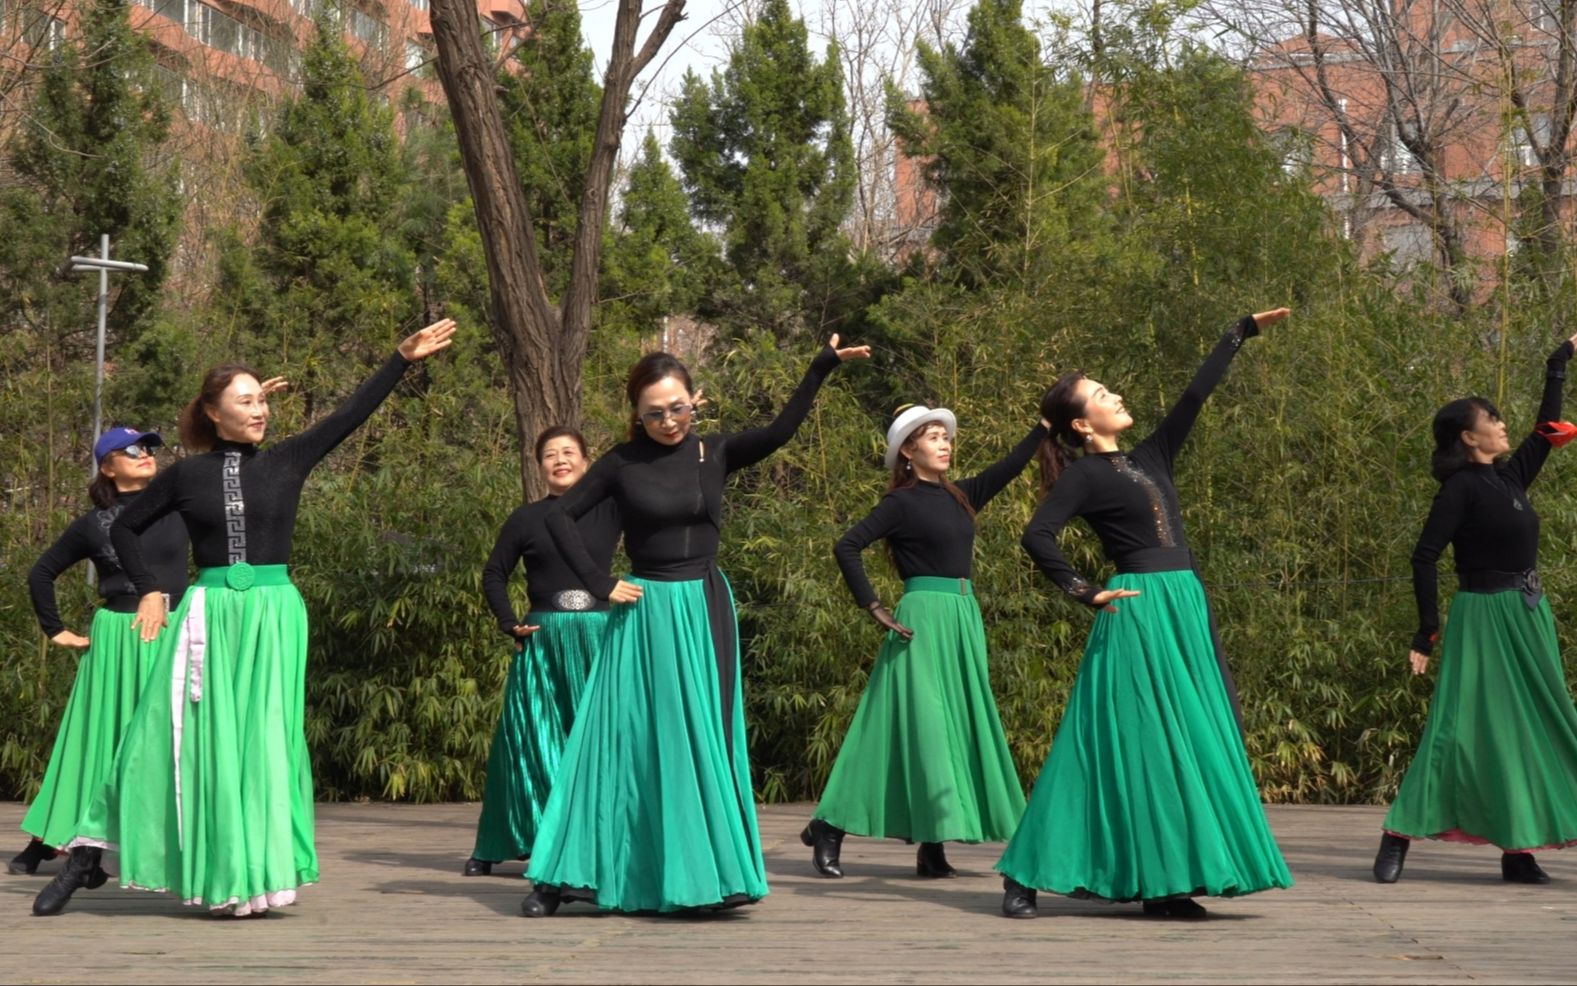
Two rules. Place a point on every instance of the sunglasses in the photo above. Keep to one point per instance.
(677, 412)
(135, 452)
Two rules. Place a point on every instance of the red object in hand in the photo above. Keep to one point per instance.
(1557, 433)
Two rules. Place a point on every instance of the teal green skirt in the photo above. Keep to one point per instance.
(210, 797)
(925, 757)
(1147, 791)
(652, 809)
(110, 676)
(1497, 763)
(545, 682)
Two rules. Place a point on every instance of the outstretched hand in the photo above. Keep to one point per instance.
(274, 385)
(852, 352)
(1264, 319)
(66, 638)
(1103, 599)
(424, 342)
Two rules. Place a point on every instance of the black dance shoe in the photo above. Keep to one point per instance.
(827, 841)
(1175, 909)
(26, 861)
(1388, 861)
(1521, 867)
(1018, 901)
(542, 902)
(81, 870)
(931, 861)
(477, 867)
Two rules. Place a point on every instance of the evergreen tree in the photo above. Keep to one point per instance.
(765, 154)
(656, 263)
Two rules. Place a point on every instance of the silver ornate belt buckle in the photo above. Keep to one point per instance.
(574, 600)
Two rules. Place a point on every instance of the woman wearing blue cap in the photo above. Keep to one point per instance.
(210, 797)
(925, 758)
(115, 659)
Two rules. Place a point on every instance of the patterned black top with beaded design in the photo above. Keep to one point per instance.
(1484, 513)
(1128, 498)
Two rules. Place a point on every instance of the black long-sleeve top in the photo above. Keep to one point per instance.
(670, 497)
(1483, 512)
(164, 546)
(929, 531)
(1128, 498)
(524, 538)
(271, 479)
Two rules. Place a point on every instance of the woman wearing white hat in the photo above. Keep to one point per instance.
(925, 758)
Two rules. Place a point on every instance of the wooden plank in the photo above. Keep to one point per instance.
(393, 907)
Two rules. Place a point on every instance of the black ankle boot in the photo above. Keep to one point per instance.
(1176, 909)
(542, 902)
(81, 870)
(477, 867)
(1018, 901)
(931, 861)
(827, 842)
(1521, 867)
(1388, 861)
(26, 861)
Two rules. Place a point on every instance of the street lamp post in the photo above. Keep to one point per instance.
(103, 264)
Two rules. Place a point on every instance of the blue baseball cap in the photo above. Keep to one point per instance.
(118, 438)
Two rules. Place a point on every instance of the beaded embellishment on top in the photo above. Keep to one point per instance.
(1163, 522)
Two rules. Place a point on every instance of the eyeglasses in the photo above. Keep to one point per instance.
(677, 412)
(135, 452)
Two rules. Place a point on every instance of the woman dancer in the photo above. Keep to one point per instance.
(925, 758)
(555, 645)
(1147, 793)
(210, 796)
(1497, 763)
(652, 809)
(115, 660)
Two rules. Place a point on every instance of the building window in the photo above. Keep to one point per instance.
(1395, 158)
(1542, 15)
(41, 32)
(1522, 148)
(420, 4)
(1409, 245)
(367, 28)
(305, 8)
(415, 56)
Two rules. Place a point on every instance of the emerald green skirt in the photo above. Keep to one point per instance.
(652, 809)
(545, 682)
(1497, 763)
(1147, 792)
(210, 797)
(110, 676)
(925, 757)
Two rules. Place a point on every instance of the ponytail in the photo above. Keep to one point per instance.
(1062, 444)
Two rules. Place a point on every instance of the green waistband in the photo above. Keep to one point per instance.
(232, 577)
(936, 583)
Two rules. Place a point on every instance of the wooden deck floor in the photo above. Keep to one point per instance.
(393, 908)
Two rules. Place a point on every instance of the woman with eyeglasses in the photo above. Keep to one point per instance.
(210, 796)
(1147, 794)
(925, 757)
(554, 647)
(652, 809)
(115, 660)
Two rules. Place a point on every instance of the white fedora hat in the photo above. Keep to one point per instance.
(911, 419)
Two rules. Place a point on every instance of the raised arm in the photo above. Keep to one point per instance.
(1445, 517)
(593, 488)
(878, 524)
(994, 479)
(1172, 432)
(156, 501)
(1040, 537)
(1524, 465)
(72, 546)
(495, 573)
(746, 448)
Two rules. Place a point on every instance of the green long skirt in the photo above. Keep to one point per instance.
(652, 809)
(545, 683)
(210, 797)
(1147, 792)
(925, 757)
(1498, 760)
(110, 676)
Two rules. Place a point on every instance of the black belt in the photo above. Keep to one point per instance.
(1488, 580)
(1155, 560)
(568, 601)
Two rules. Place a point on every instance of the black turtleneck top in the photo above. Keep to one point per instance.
(1483, 512)
(670, 497)
(524, 538)
(163, 548)
(930, 532)
(270, 481)
(1128, 498)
